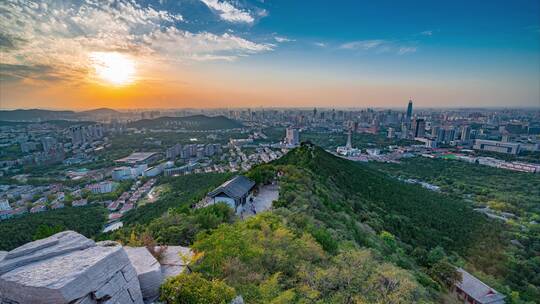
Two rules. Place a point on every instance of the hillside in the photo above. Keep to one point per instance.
(332, 216)
(31, 115)
(354, 198)
(59, 123)
(411, 212)
(87, 220)
(99, 111)
(195, 122)
(35, 115)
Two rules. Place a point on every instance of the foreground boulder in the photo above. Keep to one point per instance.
(68, 268)
(148, 271)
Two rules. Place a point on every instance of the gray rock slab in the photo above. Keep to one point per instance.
(58, 244)
(69, 274)
(148, 271)
(171, 262)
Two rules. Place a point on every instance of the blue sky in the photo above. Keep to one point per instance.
(299, 53)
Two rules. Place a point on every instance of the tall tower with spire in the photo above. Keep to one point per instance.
(409, 110)
(349, 139)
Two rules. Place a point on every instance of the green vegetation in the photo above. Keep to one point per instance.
(193, 288)
(267, 262)
(87, 220)
(501, 190)
(184, 191)
(339, 233)
(332, 186)
(342, 232)
(179, 226)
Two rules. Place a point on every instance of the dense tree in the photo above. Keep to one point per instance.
(88, 220)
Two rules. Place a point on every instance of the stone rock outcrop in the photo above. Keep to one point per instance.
(68, 268)
(171, 262)
(148, 271)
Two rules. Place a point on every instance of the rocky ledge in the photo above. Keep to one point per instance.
(70, 268)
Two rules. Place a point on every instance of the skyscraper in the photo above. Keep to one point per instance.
(404, 131)
(465, 133)
(441, 134)
(292, 137)
(409, 110)
(48, 143)
(434, 131)
(419, 128)
(449, 134)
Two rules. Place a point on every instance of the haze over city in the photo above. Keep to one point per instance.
(229, 54)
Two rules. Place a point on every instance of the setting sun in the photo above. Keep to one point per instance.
(113, 68)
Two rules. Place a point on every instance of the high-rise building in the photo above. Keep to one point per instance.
(48, 143)
(419, 128)
(404, 131)
(434, 131)
(449, 134)
(466, 133)
(441, 133)
(292, 137)
(409, 110)
(76, 135)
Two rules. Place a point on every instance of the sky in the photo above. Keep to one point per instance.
(268, 53)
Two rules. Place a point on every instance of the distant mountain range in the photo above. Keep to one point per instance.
(44, 115)
(195, 122)
(61, 123)
(100, 111)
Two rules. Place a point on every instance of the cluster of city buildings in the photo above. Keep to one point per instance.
(126, 202)
(36, 144)
(470, 132)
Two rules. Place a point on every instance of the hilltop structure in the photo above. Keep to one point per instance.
(235, 192)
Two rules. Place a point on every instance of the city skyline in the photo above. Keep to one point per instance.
(250, 54)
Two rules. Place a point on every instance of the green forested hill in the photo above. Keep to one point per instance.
(87, 220)
(352, 198)
(340, 232)
(416, 215)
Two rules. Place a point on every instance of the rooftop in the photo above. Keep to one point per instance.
(136, 157)
(478, 289)
(234, 188)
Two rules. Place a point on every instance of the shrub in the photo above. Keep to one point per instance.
(193, 288)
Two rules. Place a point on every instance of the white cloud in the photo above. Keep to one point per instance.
(378, 46)
(281, 39)
(183, 44)
(406, 50)
(230, 13)
(61, 35)
(426, 33)
(362, 44)
(320, 44)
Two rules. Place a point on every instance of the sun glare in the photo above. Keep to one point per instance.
(114, 68)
